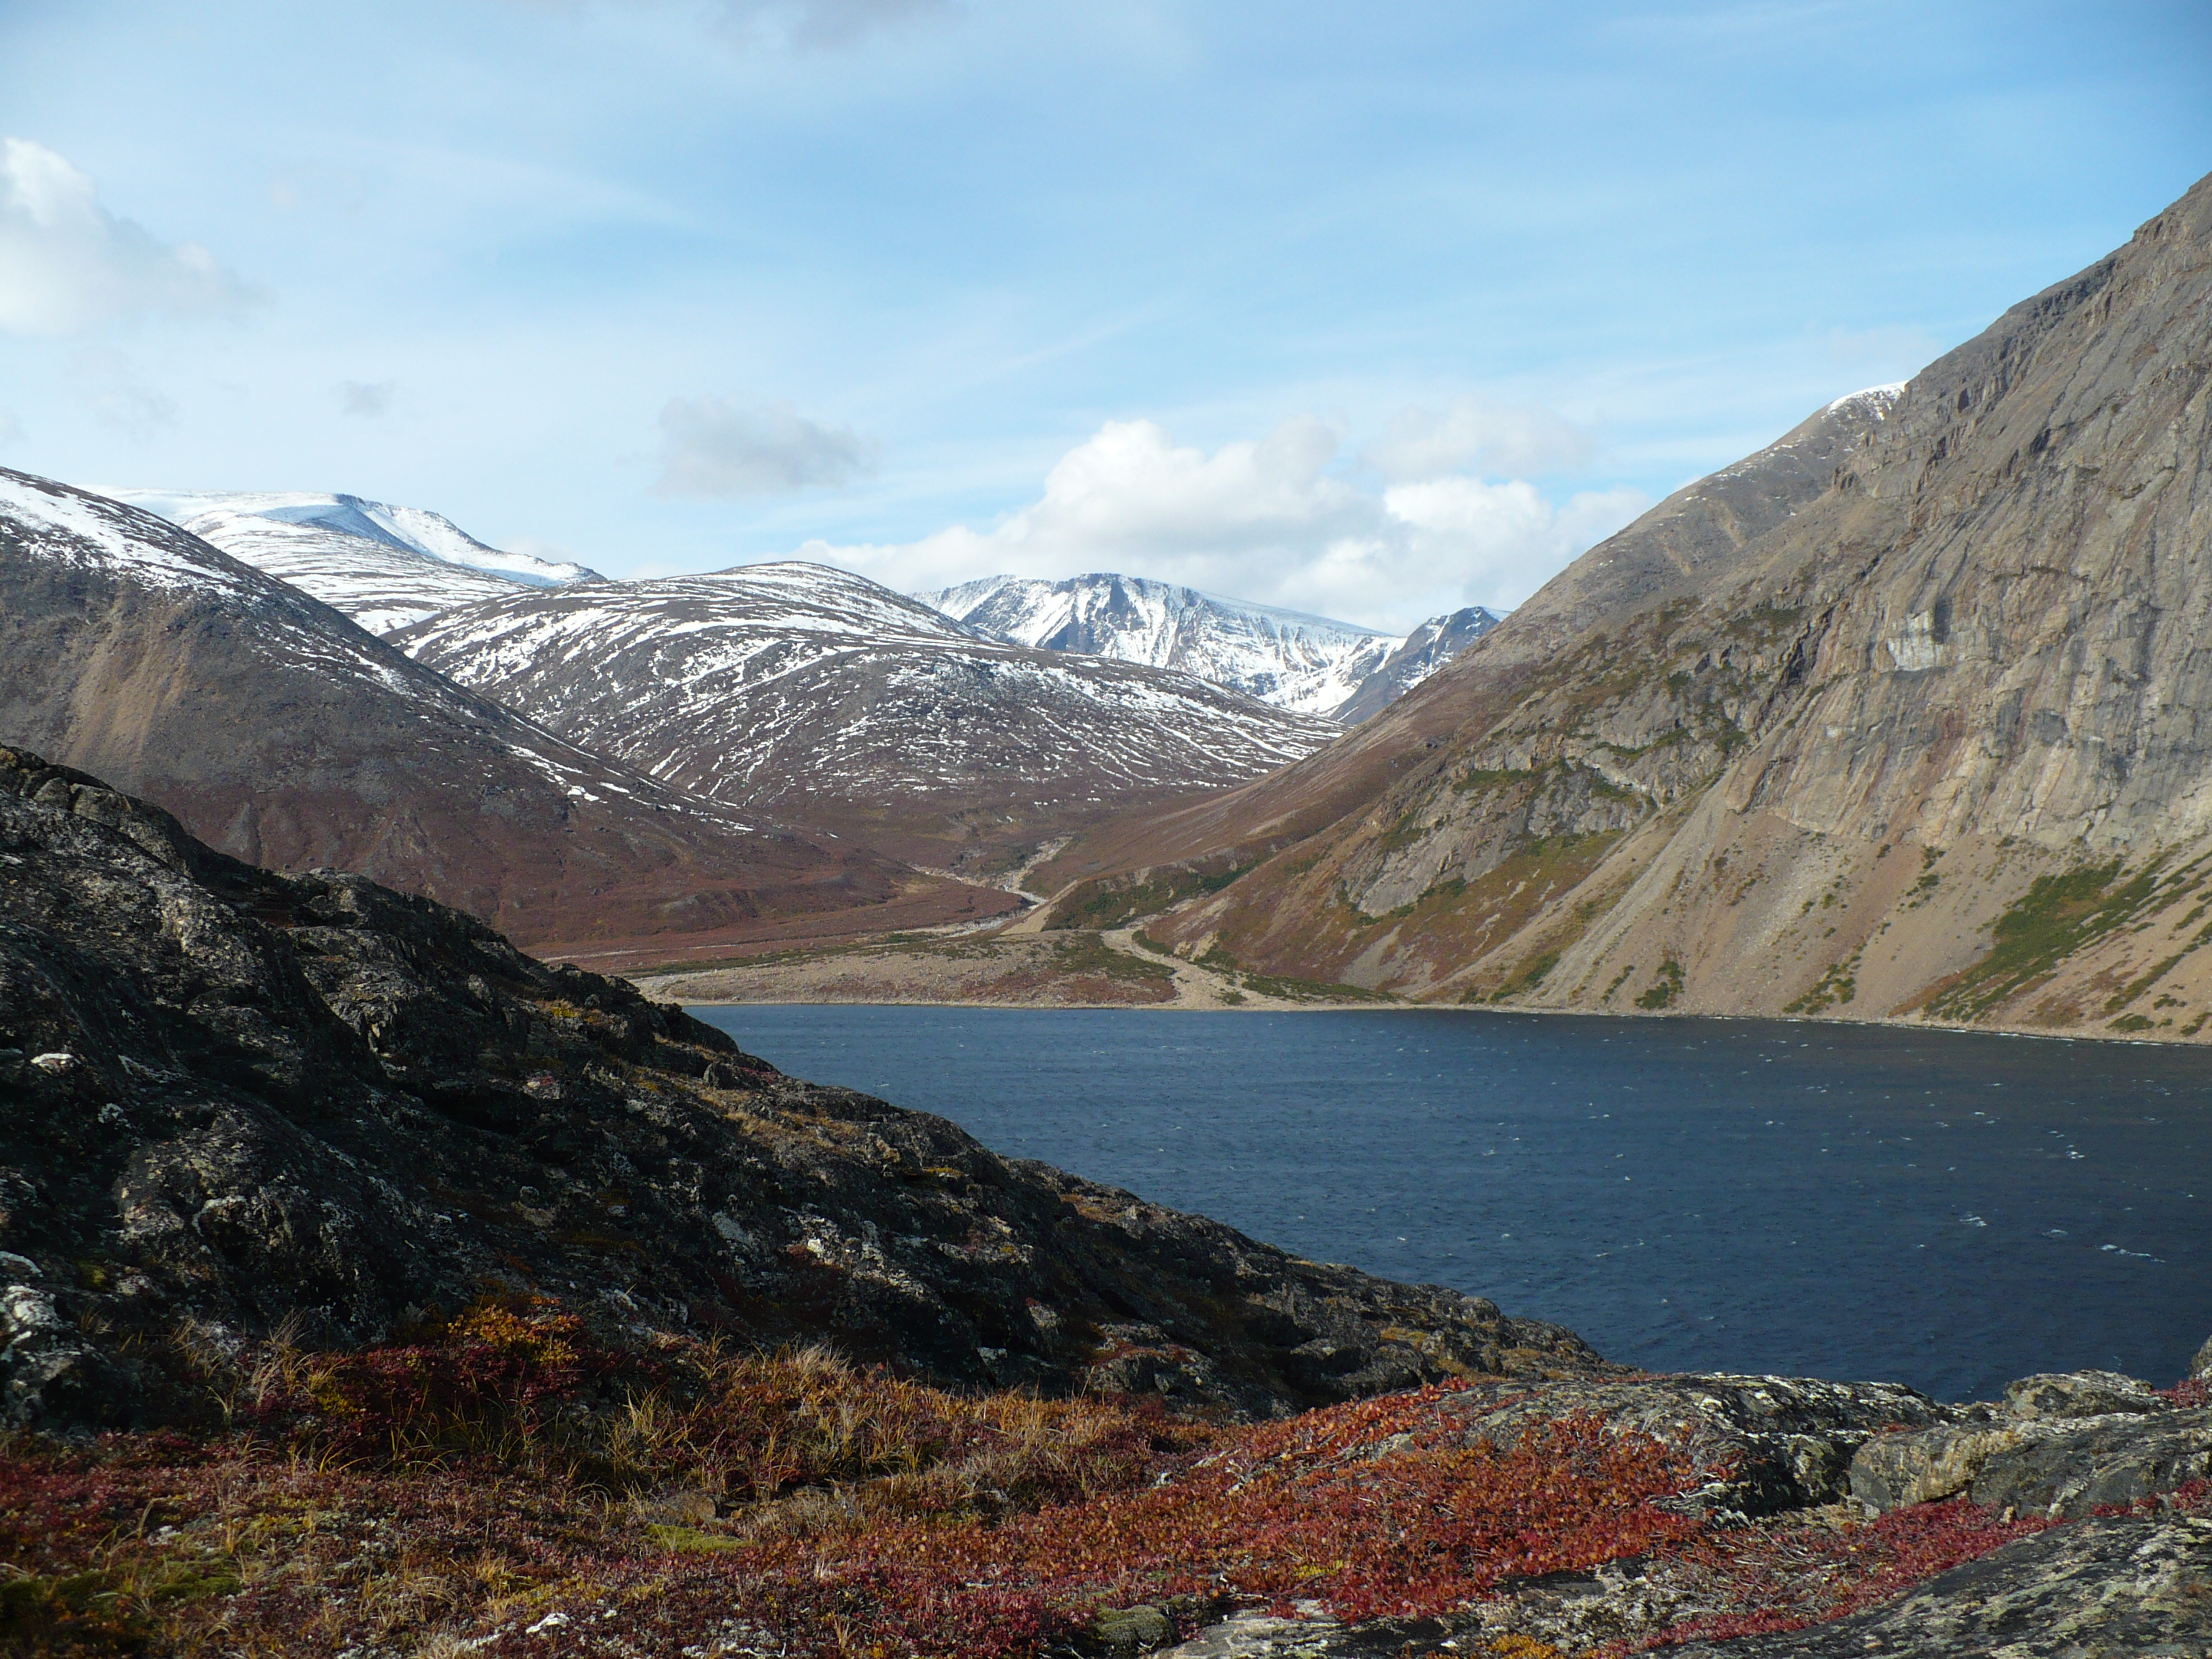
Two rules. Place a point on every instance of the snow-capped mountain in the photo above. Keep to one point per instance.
(1423, 651)
(1309, 664)
(282, 732)
(822, 697)
(384, 566)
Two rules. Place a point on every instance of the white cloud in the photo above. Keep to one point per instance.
(1419, 443)
(367, 399)
(67, 265)
(709, 447)
(11, 429)
(1268, 519)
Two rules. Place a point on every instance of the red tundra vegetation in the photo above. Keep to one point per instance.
(509, 1484)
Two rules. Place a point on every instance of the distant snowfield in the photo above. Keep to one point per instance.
(1306, 663)
(386, 567)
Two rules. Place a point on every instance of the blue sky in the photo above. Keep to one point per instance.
(1368, 311)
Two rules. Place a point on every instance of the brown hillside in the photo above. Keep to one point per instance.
(282, 733)
(1902, 716)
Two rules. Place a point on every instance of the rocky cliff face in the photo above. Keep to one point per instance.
(284, 734)
(248, 1098)
(1902, 716)
(831, 702)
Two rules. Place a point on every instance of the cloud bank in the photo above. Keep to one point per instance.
(68, 265)
(1273, 519)
(712, 448)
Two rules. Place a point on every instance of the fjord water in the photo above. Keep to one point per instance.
(1943, 1209)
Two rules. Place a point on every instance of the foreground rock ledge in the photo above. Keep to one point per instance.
(257, 1101)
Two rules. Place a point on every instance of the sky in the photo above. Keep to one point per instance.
(1369, 312)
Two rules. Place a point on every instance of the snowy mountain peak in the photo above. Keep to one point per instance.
(385, 566)
(1309, 664)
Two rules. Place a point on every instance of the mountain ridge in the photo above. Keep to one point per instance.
(1308, 663)
(817, 696)
(384, 566)
(1896, 719)
(282, 731)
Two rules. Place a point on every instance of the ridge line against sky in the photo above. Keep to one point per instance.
(1371, 317)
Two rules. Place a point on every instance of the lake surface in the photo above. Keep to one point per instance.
(1950, 1211)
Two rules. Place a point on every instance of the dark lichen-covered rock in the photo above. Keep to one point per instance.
(2062, 1444)
(235, 1097)
(1773, 1442)
(2095, 1590)
(2082, 1394)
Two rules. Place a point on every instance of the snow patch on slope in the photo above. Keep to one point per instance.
(1309, 664)
(386, 567)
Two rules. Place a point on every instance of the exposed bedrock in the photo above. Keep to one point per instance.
(252, 1100)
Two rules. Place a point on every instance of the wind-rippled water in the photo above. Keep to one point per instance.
(1948, 1210)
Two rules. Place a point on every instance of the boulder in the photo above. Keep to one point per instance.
(2082, 1394)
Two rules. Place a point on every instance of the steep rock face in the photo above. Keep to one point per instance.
(1309, 664)
(248, 1098)
(282, 732)
(1925, 740)
(819, 696)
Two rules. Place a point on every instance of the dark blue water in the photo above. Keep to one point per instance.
(1950, 1211)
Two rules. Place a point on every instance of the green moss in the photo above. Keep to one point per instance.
(2133, 1023)
(1665, 986)
(1087, 953)
(1102, 903)
(1836, 987)
(2057, 916)
(1528, 978)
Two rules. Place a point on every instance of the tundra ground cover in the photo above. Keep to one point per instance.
(512, 1486)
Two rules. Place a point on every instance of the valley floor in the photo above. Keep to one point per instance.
(1074, 968)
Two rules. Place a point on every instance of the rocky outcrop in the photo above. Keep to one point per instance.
(279, 731)
(242, 1100)
(1899, 718)
(2063, 1445)
(1801, 1468)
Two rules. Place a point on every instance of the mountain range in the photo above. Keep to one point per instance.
(824, 699)
(282, 732)
(1309, 664)
(1901, 716)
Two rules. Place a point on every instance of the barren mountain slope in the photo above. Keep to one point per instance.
(1701, 527)
(384, 566)
(821, 697)
(1934, 744)
(282, 733)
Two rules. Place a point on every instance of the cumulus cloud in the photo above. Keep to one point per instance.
(1420, 443)
(68, 265)
(1270, 519)
(367, 400)
(710, 447)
